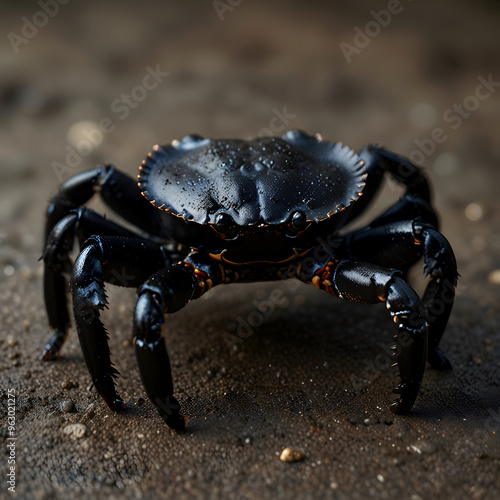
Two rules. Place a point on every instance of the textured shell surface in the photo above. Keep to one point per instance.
(258, 181)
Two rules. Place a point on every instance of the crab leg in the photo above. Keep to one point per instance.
(378, 161)
(370, 284)
(404, 171)
(125, 262)
(119, 192)
(167, 291)
(85, 223)
(401, 244)
(407, 208)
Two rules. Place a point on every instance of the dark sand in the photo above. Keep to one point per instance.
(303, 377)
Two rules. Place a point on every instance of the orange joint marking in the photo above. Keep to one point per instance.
(204, 282)
(321, 278)
(325, 272)
(201, 289)
(203, 279)
(315, 281)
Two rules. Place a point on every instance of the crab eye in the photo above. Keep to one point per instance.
(224, 224)
(298, 221)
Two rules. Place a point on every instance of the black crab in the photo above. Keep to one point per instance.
(212, 212)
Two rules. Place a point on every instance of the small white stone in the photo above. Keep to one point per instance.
(8, 270)
(494, 277)
(474, 211)
(75, 431)
(84, 136)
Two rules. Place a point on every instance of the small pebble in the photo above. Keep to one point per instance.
(69, 384)
(474, 211)
(75, 431)
(79, 133)
(291, 455)
(425, 446)
(494, 277)
(11, 341)
(9, 270)
(67, 406)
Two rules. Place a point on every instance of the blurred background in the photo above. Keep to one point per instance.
(83, 83)
(358, 72)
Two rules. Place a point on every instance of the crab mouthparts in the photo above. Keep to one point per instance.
(259, 250)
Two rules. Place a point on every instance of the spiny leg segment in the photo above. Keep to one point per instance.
(370, 284)
(67, 219)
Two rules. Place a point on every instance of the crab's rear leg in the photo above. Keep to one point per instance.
(123, 261)
(378, 161)
(66, 217)
(119, 191)
(85, 223)
(370, 284)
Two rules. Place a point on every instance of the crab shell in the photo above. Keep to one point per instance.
(260, 184)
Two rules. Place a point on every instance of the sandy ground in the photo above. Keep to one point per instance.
(305, 378)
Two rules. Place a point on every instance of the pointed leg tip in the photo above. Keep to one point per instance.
(407, 392)
(114, 403)
(176, 422)
(53, 346)
(118, 404)
(48, 355)
(439, 361)
(399, 407)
